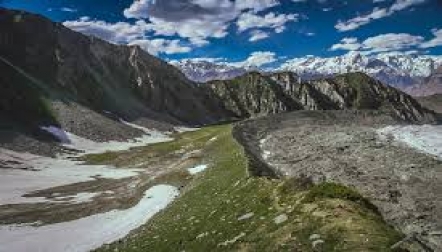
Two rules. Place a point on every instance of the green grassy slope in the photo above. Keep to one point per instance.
(225, 209)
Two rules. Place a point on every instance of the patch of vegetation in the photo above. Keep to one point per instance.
(336, 191)
(223, 209)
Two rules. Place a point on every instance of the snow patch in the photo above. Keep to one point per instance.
(197, 169)
(424, 138)
(48, 173)
(90, 232)
(92, 147)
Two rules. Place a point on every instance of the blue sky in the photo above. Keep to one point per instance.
(255, 32)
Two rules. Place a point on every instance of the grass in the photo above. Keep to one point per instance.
(207, 215)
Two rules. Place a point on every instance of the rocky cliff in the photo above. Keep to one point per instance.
(255, 94)
(42, 62)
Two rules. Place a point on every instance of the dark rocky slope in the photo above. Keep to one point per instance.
(256, 94)
(44, 62)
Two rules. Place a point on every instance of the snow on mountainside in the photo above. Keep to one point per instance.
(398, 70)
(203, 71)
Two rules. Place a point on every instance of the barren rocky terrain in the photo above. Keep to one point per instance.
(350, 149)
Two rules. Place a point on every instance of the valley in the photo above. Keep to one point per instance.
(105, 146)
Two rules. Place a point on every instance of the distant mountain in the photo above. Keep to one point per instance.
(255, 94)
(430, 86)
(397, 70)
(203, 71)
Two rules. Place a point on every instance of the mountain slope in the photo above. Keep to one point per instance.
(433, 102)
(430, 86)
(44, 62)
(256, 94)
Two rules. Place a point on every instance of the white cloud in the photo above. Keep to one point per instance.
(347, 44)
(392, 41)
(381, 43)
(156, 46)
(271, 20)
(125, 33)
(436, 41)
(256, 59)
(258, 35)
(118, 33)
(195, 20)
(376, 13)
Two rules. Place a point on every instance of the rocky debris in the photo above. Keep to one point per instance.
(343, 147)
(256, 94)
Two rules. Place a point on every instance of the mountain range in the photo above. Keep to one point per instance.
(398, 70)
(53, 76)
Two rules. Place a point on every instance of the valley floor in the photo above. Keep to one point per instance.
(192, 193)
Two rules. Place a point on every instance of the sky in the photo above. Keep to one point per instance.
(252, 32)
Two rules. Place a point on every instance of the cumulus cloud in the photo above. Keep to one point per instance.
(376, 13)
(118, 33)
(156, 46)
(196, 20)
(347, 44)
(125, 33)
(271, 20)
(381, 43)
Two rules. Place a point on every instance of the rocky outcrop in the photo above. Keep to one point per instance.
(42, 61)
(257, 94)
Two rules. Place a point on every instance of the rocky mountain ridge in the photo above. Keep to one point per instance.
(397, 70)
(256, 94)
(43, 63)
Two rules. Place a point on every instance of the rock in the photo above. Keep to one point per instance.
(314, 237)
(246, 216)
(281, 218)
(317, 245)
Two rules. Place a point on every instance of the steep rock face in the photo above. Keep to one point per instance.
(43, 61)
(255, 94)
(251, 95)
